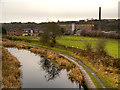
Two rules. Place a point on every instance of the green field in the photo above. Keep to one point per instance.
(79, 42)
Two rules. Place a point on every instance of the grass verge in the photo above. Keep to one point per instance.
(10, 70)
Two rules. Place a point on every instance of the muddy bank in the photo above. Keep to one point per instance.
(10, 70)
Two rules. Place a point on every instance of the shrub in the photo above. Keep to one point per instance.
(100, 47)
(88, 46)
(83, 33)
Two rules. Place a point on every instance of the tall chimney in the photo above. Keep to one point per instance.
(99, 18)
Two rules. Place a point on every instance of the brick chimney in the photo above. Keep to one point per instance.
(99, 18)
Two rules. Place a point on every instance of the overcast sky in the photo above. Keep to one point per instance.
(52, 10)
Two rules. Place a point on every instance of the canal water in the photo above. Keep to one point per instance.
(37, 72)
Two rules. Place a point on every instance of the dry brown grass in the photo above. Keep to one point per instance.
(37, 50)
(10, 70)
(54, 56)
(47, 53)
(64, 62)
(75, 75)
(109, 74)
(8, 43)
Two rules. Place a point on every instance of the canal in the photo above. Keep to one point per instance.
(38, 72)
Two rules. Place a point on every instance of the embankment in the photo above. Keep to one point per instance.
(10, 70)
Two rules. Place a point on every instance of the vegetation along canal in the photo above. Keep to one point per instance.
(38, 72)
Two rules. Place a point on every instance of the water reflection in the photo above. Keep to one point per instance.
(42, 75)
(51, 70)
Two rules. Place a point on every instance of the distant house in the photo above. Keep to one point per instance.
(14, 32)
(24, 32)
(27, 32)
(37, 32)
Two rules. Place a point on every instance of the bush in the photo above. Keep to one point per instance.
(88, 46)
(83, 33)
(100, 47)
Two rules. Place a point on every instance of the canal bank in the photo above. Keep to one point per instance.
(10, 70)
(31, 46)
